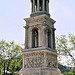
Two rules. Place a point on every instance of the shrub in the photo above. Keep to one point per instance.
(65, 73)
(70, 73)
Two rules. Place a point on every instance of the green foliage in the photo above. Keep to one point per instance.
(1, 65)
(16, 64)
(74, 70)
(65, 73)
(10, 74)
(66, 46)
(10, 54)
(70, 73)
(64, 68)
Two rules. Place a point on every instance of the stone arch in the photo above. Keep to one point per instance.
(34, 37)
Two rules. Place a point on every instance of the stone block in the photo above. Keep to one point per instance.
(39, 71)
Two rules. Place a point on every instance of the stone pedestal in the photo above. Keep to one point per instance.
(39, 61)
(39, 71)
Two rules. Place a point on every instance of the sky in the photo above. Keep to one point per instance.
(13, 12)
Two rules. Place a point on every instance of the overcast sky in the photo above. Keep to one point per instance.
(13, 12)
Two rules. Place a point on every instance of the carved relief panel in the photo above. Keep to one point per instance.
(51, 60)
(33, 60)
(40, 59)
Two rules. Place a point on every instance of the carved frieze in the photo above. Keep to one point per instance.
(38, 60)
(33, 60)
(51, 60)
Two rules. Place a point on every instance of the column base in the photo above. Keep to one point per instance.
(37, 13)
(39, 71)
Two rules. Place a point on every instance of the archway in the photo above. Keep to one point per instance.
(49, 38)
(35, 38)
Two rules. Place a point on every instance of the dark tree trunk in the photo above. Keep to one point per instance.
(4, 67)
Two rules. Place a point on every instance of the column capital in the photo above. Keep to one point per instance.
(26, 27)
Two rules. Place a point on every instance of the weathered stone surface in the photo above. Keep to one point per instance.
(42, 19)
(40, 56)
(44, 27)
(39, 71)
(40, 7)
(33, 60)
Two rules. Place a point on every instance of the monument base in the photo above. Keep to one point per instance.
(39, 71)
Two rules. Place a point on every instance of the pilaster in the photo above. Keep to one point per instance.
(26, 36)
(39, 38)
(52, 39)
(46, 40)
(30, 39)
(33, 5)
(43, 5)
(38, 5)
(43, 36)
(47, 6)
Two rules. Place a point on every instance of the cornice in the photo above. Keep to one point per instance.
(40, 17)
(43, 51)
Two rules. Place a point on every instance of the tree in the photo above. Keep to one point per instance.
(16, 64)
(66, 46)
(74, 70)
(1, 65)
(8, 52)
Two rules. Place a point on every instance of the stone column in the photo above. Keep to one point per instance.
(47, 6)
(26, 37)
(39, 38)
(30, 39)
(43, 5)
(43, 34)
(33, 5)
(38, 5)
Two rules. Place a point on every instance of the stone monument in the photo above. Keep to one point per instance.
(39, 55)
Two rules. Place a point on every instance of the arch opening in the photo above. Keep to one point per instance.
(49, 38)
(35, 38)
(53, 39)
(35, 5)
(41, 5)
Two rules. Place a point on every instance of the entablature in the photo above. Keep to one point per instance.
(40, 20)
